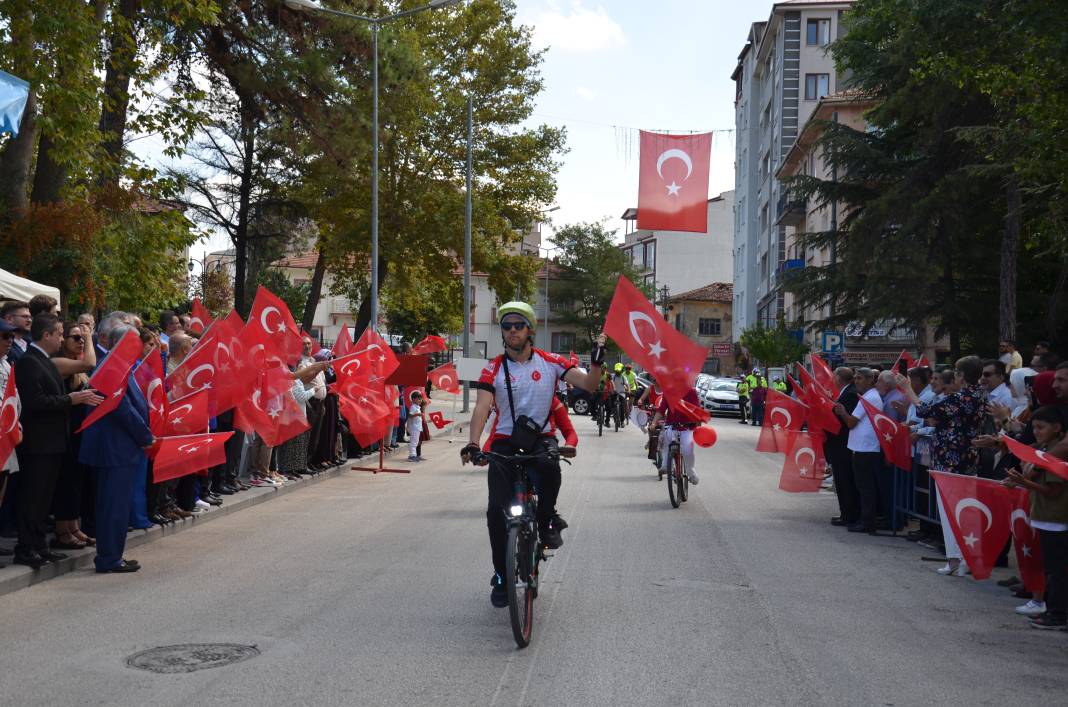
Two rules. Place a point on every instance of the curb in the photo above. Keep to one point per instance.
(16, 577)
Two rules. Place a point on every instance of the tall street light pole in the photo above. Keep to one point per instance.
(467, 249)
(376, 23)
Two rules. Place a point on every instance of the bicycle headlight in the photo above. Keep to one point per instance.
(516, 510)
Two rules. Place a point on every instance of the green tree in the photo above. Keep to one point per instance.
(772, 346)
(590, 263)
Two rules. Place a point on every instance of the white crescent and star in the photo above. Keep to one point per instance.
(180, 410)
(9, 403)
(674, 154)
(655, 349)
(190, 447)
(785, 413)
(193, 374)
(263, 320)
(1018, 514)
(969, 502)
(150, 393)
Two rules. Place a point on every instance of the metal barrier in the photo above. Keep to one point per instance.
(914, 495)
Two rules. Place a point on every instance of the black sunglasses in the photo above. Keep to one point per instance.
(518, 326)
(76, 337)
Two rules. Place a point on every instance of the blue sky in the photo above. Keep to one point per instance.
(661, 65)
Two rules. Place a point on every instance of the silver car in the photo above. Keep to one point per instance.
(720, 396)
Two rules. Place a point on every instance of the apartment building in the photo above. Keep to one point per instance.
(783, 70)
(683, 261)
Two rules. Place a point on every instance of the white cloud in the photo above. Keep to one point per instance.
(585, 94)
(583, 30)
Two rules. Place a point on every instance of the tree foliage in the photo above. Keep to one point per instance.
(589, 263)
(772, 346)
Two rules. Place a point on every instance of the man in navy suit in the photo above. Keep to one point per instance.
(17, 314)
(115, 447)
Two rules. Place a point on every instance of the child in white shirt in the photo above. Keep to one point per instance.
(415, 428)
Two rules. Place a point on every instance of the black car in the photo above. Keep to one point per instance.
(579, 400)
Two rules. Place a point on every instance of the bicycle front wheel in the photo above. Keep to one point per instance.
(674, 484)
(521, 572)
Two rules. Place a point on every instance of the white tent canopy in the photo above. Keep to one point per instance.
(14, 287)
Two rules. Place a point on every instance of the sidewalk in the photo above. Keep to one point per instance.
(15, 577)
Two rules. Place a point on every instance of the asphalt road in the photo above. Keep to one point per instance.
(373, 590)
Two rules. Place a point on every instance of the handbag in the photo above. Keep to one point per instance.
(526, 433)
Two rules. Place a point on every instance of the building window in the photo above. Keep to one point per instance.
(678, 321)
(817, 86)
(708, 326)
(648, 281)
(563, 342)
(819, 33)
(649, 255)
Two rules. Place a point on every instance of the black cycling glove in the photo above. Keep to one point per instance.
(597, 355)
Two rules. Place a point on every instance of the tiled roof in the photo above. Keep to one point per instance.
(714, 292)
(301, 260)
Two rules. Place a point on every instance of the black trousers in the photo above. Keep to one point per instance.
(866, 468)
(315, 419)
(1055, 559)
(500, 480)
(841, 461)
(37, 484)
(743, 406)
(884, 483)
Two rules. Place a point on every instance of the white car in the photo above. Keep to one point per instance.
(720, 396)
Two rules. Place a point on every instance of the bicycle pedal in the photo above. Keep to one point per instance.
(547, 553)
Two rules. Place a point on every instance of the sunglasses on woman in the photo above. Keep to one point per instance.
(76, 337)
(518, 326)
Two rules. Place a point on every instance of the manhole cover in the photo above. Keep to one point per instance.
(188, 657)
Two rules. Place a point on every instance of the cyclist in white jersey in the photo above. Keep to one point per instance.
(520, 384)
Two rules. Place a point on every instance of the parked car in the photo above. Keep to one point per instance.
(579, 400)
(720, 396)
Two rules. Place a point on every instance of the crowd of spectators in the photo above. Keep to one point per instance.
(958, 418)
(63, 490)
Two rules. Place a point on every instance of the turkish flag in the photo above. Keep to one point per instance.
(233, 379)
(199, 317)
(445, 378)
(274, 416)
(258, 352)
(380, 360)
(688, 410)
(411, 390)
(783, 418)
(271, 315)
(197, 370)
(113, 375)
(573, 359)
(638, 329)
(369, 415)
(673, 182)
(978, 511)
(893, 437)
(149, 377)
(188, 415)
(1037, 457)
(820, 408)
(804, 466)
(10, 427)
(180, 456)
(1025, 541)
(343, 346)
(431, 344)
(923, 362)
(904, 362)
(825, 376)
(438, 418)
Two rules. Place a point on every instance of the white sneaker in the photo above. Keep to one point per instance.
(203, 505)
(948, 569)
(1032, 608)
(693, 477)
(962, 570)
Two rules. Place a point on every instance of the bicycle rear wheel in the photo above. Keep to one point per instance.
(674, 482)
(684, 480)
(600, 419)
(521, 574)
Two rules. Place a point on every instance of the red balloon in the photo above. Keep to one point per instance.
(704, 436)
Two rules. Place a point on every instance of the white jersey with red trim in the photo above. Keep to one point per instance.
(533, 388)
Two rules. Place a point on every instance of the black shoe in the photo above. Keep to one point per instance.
(213, 500)
(839, 521)
(30, 559)
(1009, 582)
(743, 422)
(860, 528)
(226, 491)
(550, 538)
(499, 593)
(53, 556)
(123, 566)
(558, 522)
(159, 520)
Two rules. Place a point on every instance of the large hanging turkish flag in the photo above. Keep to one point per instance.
(673, 182)
(978, 511)
(638, 329)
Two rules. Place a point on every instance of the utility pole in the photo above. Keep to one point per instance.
(467, 252)
(664, 291)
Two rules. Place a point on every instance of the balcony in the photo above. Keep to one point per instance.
(791, 210)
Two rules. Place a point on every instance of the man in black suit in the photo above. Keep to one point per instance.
(45, 431)
(840, 458)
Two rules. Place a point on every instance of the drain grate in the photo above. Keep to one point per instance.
(190, 657)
